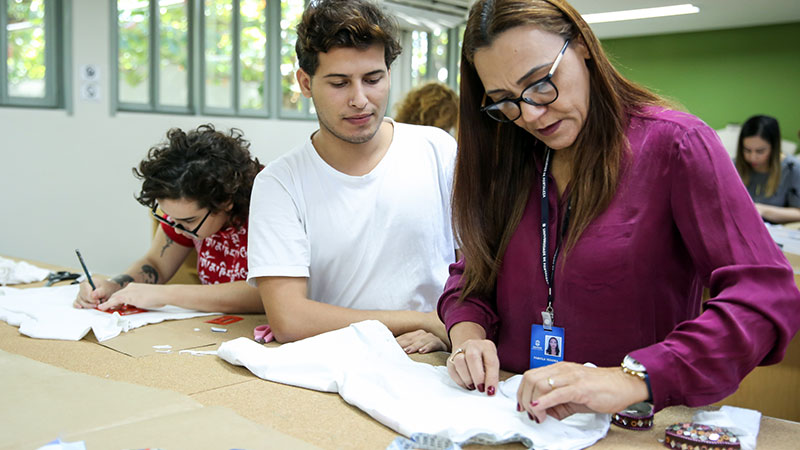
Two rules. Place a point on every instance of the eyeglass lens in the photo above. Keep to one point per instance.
(540, 93)
(177, 226)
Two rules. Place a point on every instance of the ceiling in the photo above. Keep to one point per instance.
(713, 15)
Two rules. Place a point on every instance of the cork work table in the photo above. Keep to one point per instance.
(215, 400)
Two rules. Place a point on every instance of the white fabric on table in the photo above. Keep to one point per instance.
(742, 422)
(366, 366)
(18, 272)
(47, 313)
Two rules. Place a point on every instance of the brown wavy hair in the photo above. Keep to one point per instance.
(328, 24)
(495, 164)
(433, 104)
(204, 165)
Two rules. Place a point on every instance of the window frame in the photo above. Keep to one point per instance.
(235, 110)
(452, 58)
(196, 63)
(56, 41)
(153, 71)
(277, 91)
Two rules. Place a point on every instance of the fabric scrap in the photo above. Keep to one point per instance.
(198, 352)
(20, 272)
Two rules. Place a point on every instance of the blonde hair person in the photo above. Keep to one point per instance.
(433, 104)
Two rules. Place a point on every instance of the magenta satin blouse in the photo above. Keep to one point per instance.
(680, 219)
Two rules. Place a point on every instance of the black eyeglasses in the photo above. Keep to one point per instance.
(541, 92)
(177, 226)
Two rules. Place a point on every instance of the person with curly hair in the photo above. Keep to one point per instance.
(354, 223)
(200, 181)
(433, 104)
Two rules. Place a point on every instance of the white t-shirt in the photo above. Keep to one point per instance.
(378, 241)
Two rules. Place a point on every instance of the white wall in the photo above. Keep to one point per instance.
(66, 181)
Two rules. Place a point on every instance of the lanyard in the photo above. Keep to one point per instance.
(549, 270)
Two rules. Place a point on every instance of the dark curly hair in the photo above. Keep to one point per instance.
(203, 165)
(328, 24)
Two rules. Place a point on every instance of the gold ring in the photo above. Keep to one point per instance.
(458, 350)
(551, 382)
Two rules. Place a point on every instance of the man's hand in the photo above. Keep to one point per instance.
(420, 341)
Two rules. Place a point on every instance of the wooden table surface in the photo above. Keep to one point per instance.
(321, 419)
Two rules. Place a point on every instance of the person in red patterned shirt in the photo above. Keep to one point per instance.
(200, 181)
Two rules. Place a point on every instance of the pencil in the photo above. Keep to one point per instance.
(85, 270)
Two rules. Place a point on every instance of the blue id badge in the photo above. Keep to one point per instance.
(547, 346)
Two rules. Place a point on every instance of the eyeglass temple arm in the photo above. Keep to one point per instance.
(558, 59)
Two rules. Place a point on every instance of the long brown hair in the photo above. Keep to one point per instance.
(766, 128)
(495, 165)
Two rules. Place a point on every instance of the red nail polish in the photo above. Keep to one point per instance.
(536, 420)
(530, 416)
(519, 408)
(471, 387)
(481, 387)
(534, 404)
(490, 390)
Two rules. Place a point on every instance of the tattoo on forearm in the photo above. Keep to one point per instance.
(150, 274)
(166, 246)
(122, 280)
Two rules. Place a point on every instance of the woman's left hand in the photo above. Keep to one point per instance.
(563, 389)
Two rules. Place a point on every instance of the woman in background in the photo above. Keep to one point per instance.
(771, 178)
(432, 104)
(201, 182)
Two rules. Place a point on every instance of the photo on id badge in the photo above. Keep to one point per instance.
(547, 346)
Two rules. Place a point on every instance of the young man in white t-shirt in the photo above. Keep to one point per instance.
(355, 223)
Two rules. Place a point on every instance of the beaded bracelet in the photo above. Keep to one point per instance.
(638, 416)
(695, 436)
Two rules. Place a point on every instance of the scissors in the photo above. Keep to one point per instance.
(55, 277)
(263, 334)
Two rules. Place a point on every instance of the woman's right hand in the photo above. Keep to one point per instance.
(474, 365)
(88, 298)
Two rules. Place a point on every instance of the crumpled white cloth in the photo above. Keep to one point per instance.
(18, 272)
(366, 366)
(47, 313)
(742, 422)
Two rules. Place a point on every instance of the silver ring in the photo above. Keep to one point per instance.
(551, 382)
(458, 350)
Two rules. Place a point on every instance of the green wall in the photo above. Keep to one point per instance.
(720, 76)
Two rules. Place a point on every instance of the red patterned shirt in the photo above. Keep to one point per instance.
(221, 257)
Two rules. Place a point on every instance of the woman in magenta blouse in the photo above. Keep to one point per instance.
(638, 206)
